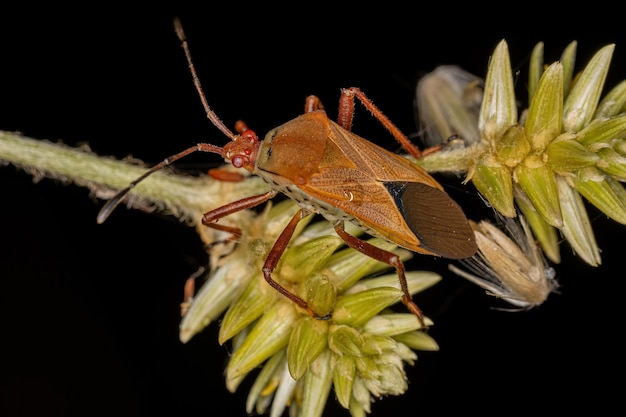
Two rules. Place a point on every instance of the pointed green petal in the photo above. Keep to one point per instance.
(255, 300)
(316, 386)
(568, 58)
(369, 369)
(357, 309)
(569, 155)
(543, 120)
(418, 340)
(212, 299)
(348, 266)
(612, 163)
(600, 133)
(417, 281)
(581, 103)
(285, 393)
(345, 340)
(538, 182)
(357, 409)
(301, 260)
(374, 344)
(576, 226)
(545, 233)
(362, 398)
(613, 102)
(259, 397)
(602, 191)
(495, 184)
(620, 146)
(344, 373)
(307, 341)
(535, 70)
(392, 324)
(499, 109)
(269, 335)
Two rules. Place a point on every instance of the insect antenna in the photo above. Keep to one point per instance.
(196, 81)
(108, 208)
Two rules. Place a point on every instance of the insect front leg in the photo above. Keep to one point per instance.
(210, 218)
(387, 257)
(274, 256)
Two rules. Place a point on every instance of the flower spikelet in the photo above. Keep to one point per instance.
(565, 146)
(360, 351)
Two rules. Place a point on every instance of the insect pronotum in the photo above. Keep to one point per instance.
(328, 170)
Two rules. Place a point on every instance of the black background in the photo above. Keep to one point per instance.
(90, 313)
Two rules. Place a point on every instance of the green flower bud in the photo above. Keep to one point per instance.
(569, 155)
(307, 341)
(264, 386)
(392, 324)
(316, 386)
(320, 294)
(270, 334)
(582, 101)
(612, 163)
(538, 182)
(568, 59)
(495, 184)
(613, 102)
(576, 225)
(252, 303)
(601, 133)
(543, 120)
(604, 192)
(344, 374)
(545, 233)
(499, 109)
(418, 340)
(345, 340)
(356, 309)
(299, 261)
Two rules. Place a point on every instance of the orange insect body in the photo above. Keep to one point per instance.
(327, 169)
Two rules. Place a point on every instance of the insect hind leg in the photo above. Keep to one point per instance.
(390, 259)
(346, 114)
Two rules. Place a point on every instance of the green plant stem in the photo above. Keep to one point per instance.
(183, 196)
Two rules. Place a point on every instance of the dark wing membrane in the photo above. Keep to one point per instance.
(435, 218)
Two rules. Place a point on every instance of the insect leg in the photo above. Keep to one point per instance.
(387, 257)
(189, 291)
(222, 174)
(346, 113)
(274, 256)
(210, 218)
(108, 208)
(312, 103)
